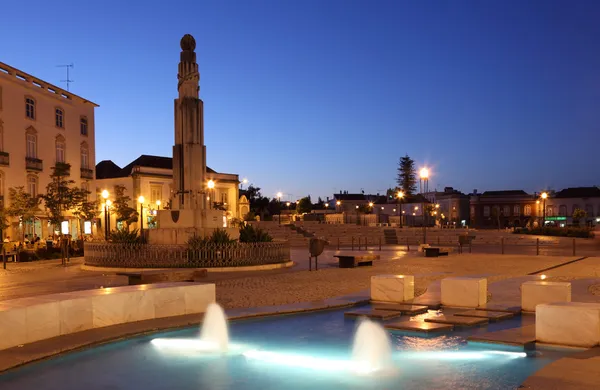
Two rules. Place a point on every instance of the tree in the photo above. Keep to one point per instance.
(84, 209)
(304, 205)
(3, 221)
(22, 205)
(407, 176)
(578, 214)
(59, 196)
(123, 211)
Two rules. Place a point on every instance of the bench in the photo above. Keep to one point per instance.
(351, 261)
(164, 276)
(435, 251)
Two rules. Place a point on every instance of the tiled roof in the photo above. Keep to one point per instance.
(505, 193)
(350, 197)
(579, 192)
(107, 169)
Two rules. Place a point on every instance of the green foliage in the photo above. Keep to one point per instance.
(578, 214)
(3, 220)
(249, 233)
(123, 211)
(304, 205)
(59, 196)
(558, 232)
(407, 176)
(124, 236)
(22, 205)
(220, 236)
(196, 242)
(83, 209)
(250, 216)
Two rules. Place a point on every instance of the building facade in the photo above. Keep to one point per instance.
(152, 178)
(503, 209)
(453, 206)
(41, 125)
(561, 205)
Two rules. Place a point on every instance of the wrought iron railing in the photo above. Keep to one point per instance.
(34, 163)
(107, 254)
(4, 158)
(87, 173)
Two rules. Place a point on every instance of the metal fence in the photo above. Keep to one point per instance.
(107, 254)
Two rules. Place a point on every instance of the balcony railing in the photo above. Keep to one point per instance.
(34, 164)
(4, 158)
(87, 173)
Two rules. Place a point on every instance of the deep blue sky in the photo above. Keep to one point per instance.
(321, 96)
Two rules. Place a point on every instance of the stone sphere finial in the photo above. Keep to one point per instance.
(188, 43)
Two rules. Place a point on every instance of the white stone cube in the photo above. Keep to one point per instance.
(568, 323)
(392, 288)
(464, 291)
(534, 293)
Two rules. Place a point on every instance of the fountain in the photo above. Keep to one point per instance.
(214, 328)
(372, 348)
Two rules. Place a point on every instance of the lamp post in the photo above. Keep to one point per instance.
(141, 202)
(544, 197)
(279, 195)
(244, 181)
(399, 196)
(211, 186)
(424, 174)
(158, 204)
(105, 197)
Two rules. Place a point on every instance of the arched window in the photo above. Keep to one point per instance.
(550, 211)
(84, 156)
(517, 210)
(83, 125)
(527, 210)
(30, 108)
(562, 210)
(59, 118)
(31, 139)
(589, 210)
(61, 148)
(32, 185)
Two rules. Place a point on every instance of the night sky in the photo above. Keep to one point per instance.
(314, 97)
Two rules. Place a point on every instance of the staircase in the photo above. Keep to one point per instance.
(390, 237)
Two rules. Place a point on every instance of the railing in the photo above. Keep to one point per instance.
(34, 163)
(4, 158)
(87, 173)
(107, 254)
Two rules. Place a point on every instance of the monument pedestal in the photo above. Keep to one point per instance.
(178, 226)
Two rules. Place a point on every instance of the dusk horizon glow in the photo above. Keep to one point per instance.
(317, 98)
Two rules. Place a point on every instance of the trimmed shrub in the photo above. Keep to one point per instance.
(249, 233)
(558, 232)
(125, 237)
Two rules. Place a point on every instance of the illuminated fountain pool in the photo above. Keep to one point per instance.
(321, 350)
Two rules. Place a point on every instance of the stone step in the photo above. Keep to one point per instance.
(403, 308)
(524, 336)
(493, 316)
(457, 321)
(418, 326)
(373, 313)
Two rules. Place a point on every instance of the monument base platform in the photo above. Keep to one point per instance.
(172, 236)
(178, 226)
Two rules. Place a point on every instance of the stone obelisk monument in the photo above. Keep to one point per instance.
(190, 212)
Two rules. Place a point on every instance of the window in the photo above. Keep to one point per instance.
(32, 185)
(517, 210)
(83, 126)
(1, 136)
(59, 118)
(506, 210)
(60, 149)
(486, 211)
(562, 210)
(84, 156)
(224, 198)
(473, 211)
(549, 211)
(30, 108)
(589, 210)
(155, 193)
(527, 210)
(31, 145)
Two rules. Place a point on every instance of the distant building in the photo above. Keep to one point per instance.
(152, 177)
(454, 205)
(561, 205)
(501, 209)
(41, 125)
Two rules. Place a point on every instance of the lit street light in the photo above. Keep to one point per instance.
(424, 174)
(141, 201)
(544, 197)
(399, 196)
(106, 217)
(158, 204)
(211, 186)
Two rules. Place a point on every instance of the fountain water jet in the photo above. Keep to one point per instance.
(372, 348)
(214, 327)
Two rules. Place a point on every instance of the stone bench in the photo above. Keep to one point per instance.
(27, 320)
(464, 291)
(568, 323)
(164, 276)
(392, 288)
(433, 251)
(351, 261)
(536, 292)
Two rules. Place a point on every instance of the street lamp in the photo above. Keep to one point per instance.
(399, 196)
(424, 174)
(141, 201)
(244, 181)
(544, 197)
(105, 196)
(158, 204)
(211, 186)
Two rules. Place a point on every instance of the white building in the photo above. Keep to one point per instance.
(561, 205)
(40, 125)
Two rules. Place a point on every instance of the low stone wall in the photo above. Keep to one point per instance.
(108, 254)
(27, 320)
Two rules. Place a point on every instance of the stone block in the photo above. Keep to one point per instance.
(13, 326)
(534, 293)
(464, 292)
(392, 288)
(568, 323)
(75, 315)
(42, 321)
(198, 296)
(169, 302)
